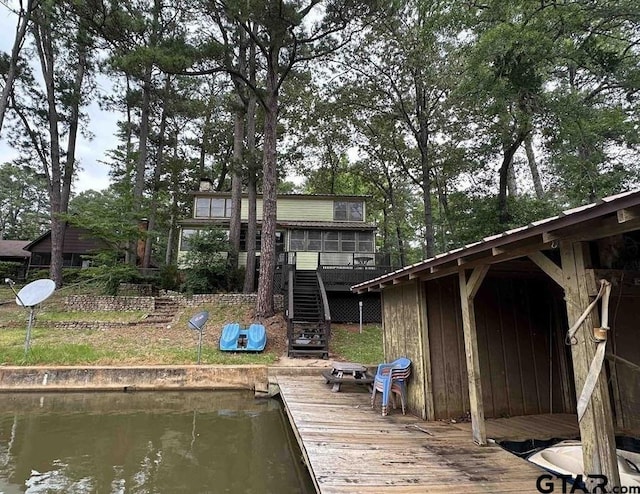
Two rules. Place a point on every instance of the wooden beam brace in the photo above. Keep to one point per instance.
(473, 361)
(549, 267)
(475, 280)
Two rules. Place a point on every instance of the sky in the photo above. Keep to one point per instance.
(102, 125)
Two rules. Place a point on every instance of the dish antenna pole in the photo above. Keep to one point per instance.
(197, 323)
(28, 297)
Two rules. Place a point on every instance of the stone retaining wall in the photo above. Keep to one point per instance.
(108, 303)
(97, 325)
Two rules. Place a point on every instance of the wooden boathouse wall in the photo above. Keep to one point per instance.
(520, 327)
(523, 359)
(623, 354)
(404, 336)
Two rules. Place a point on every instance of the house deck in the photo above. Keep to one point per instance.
(351, 448)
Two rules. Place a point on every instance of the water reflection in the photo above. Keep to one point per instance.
(168, 442)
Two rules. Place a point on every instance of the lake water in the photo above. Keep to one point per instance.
(162, 442)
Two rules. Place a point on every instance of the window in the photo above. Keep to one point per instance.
(348, 241)
(207, 207)
(184, 239)
(314, 242)
(297, 240)
(348, 211)
(365, 241)
(243, 240)
(202, 207)
(331, 241)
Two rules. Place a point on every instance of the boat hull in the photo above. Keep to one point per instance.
(565, 458)
(234, 338)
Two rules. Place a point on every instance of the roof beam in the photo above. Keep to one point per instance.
(628, 214)
(598, 228)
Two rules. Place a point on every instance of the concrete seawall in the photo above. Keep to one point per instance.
(254, 377)
(142, 378)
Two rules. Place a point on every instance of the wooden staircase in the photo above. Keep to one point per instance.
(309, 324)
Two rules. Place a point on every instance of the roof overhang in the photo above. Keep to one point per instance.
(610, 216)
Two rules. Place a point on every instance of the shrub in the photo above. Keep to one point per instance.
(10, 270)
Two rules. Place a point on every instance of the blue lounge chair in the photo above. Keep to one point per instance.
(391, 378)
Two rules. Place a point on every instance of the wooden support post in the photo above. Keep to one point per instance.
(596, 426)
(468, 289)
(429, 407)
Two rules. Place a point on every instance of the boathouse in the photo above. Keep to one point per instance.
(486, 326)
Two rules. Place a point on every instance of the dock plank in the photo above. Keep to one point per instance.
(350, 448)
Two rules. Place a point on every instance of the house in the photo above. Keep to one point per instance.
(322, 241)
(486, 327)
(13, 251)
(79, 243)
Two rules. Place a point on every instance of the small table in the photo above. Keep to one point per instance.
(347, 372)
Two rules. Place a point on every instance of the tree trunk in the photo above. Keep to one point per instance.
(24, 17)
(252, 193)
(422, 138)
(512, 186)
(157, 173)
(59, 177)
(264, 302)
(175, 186)
(533, 166)
(508, 152)
(236, 188)
(44, 45)
(397, 219)
(138, 189)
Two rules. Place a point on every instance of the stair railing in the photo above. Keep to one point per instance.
(290, 314)
(326, 312)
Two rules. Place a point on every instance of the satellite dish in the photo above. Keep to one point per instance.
(35, 292)
(30, 296)
(198, 321)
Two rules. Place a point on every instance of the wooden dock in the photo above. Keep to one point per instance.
(350, 448)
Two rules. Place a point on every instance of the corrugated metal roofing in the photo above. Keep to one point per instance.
(573, 216)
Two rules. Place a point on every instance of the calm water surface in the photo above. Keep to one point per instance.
(170, 442)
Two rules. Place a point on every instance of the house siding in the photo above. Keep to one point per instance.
(306, 260)
(294, 209)
(308, 210)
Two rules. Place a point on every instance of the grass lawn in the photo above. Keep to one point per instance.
(140, 344)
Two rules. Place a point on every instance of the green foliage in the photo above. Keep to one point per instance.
(10, 270)
(108, 216)
(24, 210)
(169, 277)
(208, 271)
(475, 217)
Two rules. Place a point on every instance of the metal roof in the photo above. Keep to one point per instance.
(218, 193)
(536, 233)
(296, 224)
